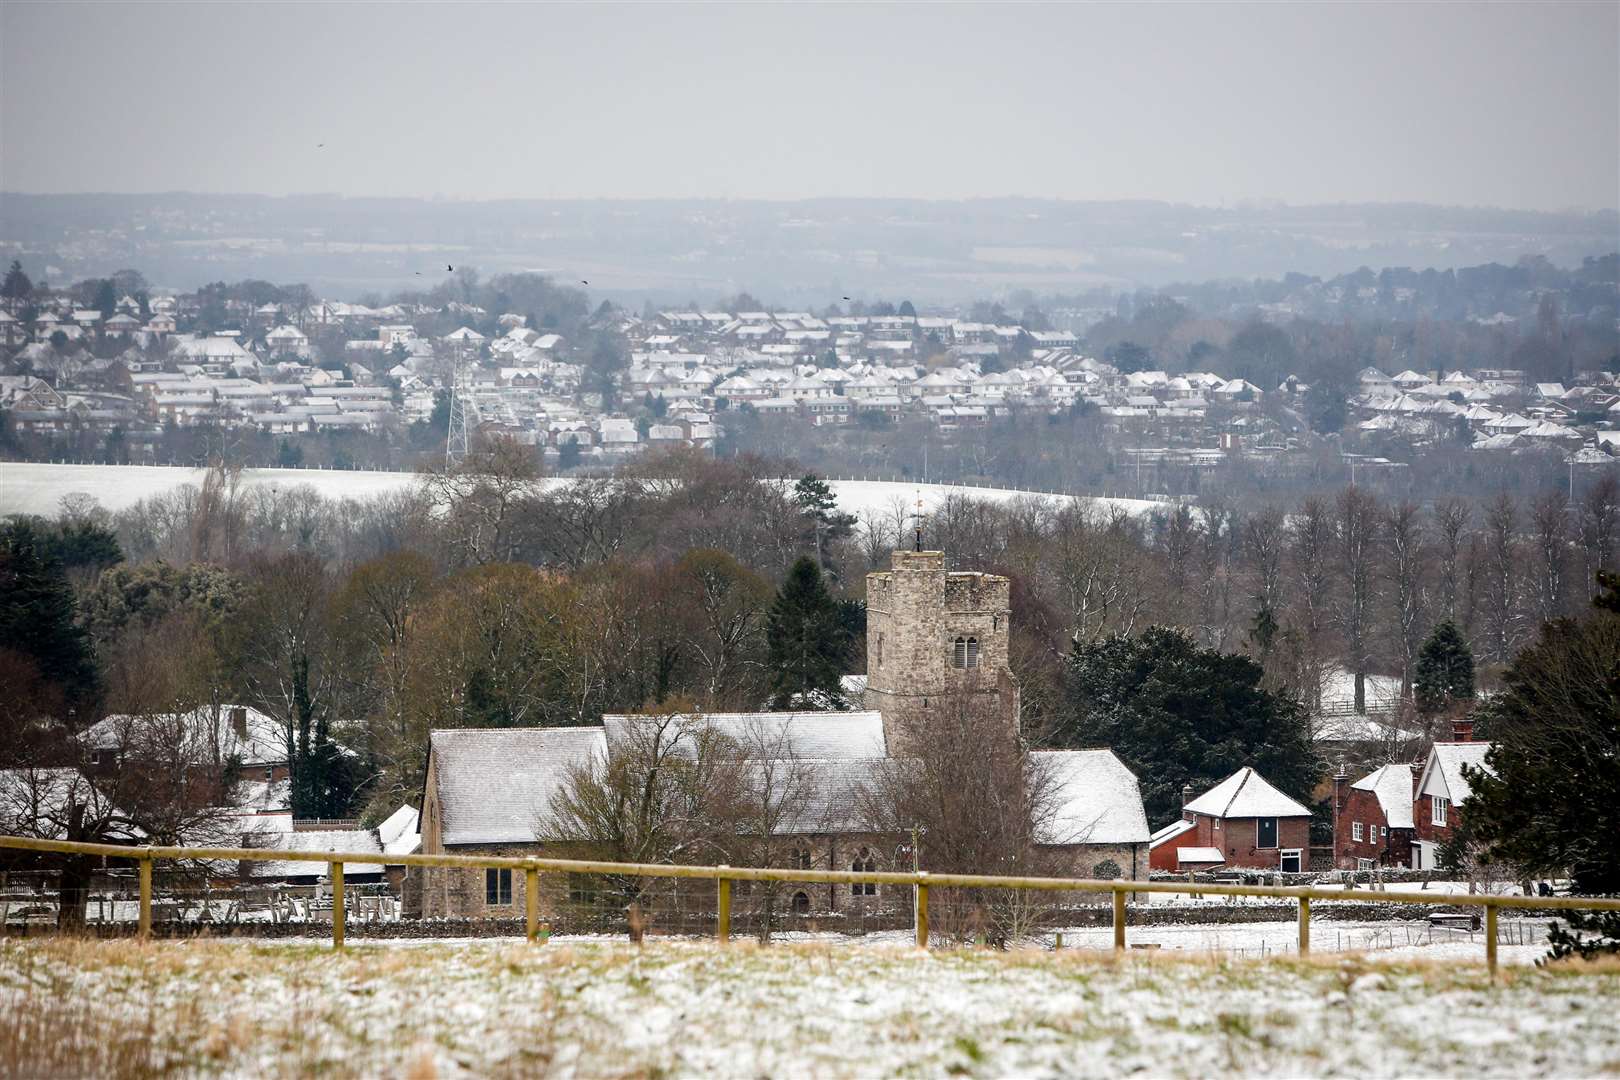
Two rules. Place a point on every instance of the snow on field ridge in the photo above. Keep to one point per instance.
(37, 487)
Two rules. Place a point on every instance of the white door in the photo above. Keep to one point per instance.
(1423, 855)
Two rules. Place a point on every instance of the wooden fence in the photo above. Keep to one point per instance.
(920, 881)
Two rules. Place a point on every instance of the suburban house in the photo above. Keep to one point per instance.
(1373, 819)
(934, 637)
(1241, 822)
(1442, 789)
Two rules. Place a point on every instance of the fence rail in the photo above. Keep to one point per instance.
(920, 881)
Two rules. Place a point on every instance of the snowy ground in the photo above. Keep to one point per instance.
(688, 1009)
(35, 488)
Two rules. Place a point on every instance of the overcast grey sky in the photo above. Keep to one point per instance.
(1491, 104)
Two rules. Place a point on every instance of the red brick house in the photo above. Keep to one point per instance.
(1372, 819)
(1441, 791)
(1241, 822)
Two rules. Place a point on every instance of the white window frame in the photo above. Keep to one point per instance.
(1355, 830)
(1364, 864)
(1438, 805)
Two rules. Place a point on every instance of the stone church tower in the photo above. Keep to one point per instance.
(935, 638)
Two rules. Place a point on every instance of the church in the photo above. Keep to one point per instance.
(936, 639)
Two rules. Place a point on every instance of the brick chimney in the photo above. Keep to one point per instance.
(239, 722)
(1462, 729)
(1186, 797)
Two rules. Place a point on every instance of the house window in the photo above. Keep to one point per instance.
(865, 863)
(799, 858)
(497, 888)
(1364, 864)
(1439, 809)
(1265, 830)
(965, 652)
(1355, 830)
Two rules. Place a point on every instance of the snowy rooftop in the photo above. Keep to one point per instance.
(805, 735)
(1171, 831)
(262, 742)
(1442, 775)
(360, 841)
(1097, 799)
(495, 784)
(1393, 786)
(1246, 794)
(1198, 856)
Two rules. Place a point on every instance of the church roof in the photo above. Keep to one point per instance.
(1096, 799)
(495, 785)
(805, 735)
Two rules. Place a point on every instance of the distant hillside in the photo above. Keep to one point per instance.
(808, 253)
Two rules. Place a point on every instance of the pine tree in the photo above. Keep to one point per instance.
(1548, 800)
(807, 639)
(1444, 672)
(17, 285)
(37, 611)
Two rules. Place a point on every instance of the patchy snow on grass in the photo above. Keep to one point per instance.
(697, 1009)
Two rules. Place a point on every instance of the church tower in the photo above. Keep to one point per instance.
(933, 638)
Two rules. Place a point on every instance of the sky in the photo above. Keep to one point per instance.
(1510, 105)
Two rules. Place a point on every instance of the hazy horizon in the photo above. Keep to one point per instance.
(1512, 106)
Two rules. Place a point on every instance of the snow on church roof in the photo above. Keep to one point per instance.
(1245, 794)
(495, 784)
(1096, 799)
(829, 736)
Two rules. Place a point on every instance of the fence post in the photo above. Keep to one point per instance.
(531, 902)
(1490, 939)
(145, 924)
(1304, 925)
(1119, 919)
(722, 931)
(337, 905)
(922, 911)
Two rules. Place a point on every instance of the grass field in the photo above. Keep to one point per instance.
(84, 1008)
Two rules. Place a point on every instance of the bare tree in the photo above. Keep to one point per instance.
(1550, 542)
(1311, 541)
(1451, 528)
(1599, 527)
(1356, 524)
(1504, 616)
(978, 798)
(1405, 570)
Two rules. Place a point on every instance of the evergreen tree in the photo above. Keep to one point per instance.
(807, 639)
(1178, 714)
(816, 501)
(1444, 672)
(1548, 800)
(17, 285)
(37, 611)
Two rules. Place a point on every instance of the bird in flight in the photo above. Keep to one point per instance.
(449, 269)
(582, 281)
(846, 298)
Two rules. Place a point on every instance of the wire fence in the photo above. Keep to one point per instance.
(581, 896)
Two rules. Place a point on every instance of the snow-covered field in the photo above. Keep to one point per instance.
(37, 488)
(690, 1009)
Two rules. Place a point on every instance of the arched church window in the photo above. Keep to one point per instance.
(865, 863)
(801, 903)
(959, 653)
(972, 652)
